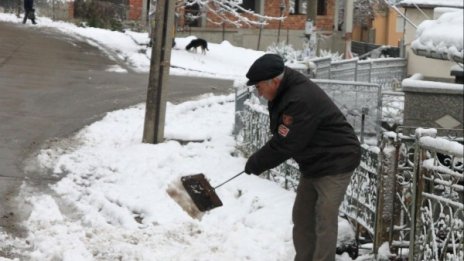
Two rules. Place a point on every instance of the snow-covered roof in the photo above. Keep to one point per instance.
(432, 3)
(441, 38)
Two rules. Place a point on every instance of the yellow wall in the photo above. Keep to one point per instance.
(393, 37)
(384, 25)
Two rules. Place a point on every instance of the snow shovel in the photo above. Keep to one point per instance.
(196, 195)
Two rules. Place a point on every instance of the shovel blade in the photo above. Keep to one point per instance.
(201, 192)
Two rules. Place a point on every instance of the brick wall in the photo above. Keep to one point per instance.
(325, 23)
(135, 9)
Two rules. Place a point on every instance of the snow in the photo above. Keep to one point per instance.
(131, 47)
(109, 200)
(448, 3)
(384, 252)
(443, 145)
(444, 35)
(416, 83)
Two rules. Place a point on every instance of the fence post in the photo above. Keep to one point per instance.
(385, 187)
(415, 199)
(370, 72)
(418, 186)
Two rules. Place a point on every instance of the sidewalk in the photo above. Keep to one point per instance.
(51, 86)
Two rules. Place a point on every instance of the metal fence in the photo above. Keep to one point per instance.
(361, 195)
(387, 72)
(359, 102)
(437, 206)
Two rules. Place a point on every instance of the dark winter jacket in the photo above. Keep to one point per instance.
(28, 5)
(307, 126)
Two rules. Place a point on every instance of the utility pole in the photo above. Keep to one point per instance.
(155, 113)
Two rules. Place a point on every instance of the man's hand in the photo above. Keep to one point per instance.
(250, 167)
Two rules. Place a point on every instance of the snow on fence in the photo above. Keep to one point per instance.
(423, 221)
(361, 195)
(344, 70)
(387, 72)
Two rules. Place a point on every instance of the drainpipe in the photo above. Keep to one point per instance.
(282, 7)
(348, 28)
(145, 8)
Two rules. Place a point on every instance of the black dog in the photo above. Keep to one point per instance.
(195, 43)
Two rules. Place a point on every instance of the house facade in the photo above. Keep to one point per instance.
(386, 28)
(294, 12)
(291, 29)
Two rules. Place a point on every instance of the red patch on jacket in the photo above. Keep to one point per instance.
(283, 130)
(287, 119)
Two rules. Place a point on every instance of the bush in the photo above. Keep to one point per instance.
(101, 14)
(285, 51)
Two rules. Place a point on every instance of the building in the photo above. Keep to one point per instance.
(203, 22)
(385, 28)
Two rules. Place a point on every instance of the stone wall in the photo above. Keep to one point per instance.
(433, 104)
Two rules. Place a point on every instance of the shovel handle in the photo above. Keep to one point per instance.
(229, 180)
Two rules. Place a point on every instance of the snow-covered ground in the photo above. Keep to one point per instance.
(109, 200)
(222, 60)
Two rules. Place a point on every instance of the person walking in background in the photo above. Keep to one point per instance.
(29, 12)
(307, 126)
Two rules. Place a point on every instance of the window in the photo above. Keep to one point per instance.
(249, 5)
(321, 7)
(193, 15)
(297, 6)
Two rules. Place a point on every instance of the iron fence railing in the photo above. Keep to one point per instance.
(361, 195)
(437, 208)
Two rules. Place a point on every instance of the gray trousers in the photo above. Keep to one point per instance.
(315, 216)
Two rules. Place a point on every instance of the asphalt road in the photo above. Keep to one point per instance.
(51, 85)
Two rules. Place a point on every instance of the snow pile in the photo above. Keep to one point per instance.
(444, 35)
(417, 83)
(111, 200)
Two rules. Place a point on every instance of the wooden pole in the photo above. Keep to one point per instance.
(153, 131)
